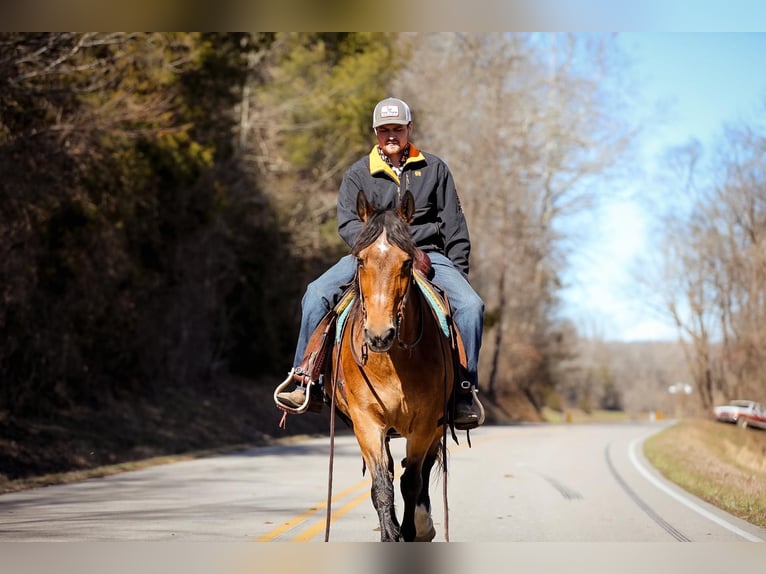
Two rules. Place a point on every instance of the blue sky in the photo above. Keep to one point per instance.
(690, 85)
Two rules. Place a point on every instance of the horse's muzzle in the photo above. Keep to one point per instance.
(379, 342)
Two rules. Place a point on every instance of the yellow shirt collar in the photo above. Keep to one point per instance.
(377, 164)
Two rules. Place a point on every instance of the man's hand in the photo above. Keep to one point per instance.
(423, 263)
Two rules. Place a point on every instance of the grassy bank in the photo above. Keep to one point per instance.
(720, 463)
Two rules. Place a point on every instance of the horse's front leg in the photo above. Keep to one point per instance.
(378, 459)
(417, 524)
(424, 526)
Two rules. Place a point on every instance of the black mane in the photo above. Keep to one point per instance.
(397, 232)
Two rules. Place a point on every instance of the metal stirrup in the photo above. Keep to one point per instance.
(284, 384)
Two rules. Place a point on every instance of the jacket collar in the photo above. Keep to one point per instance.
(377, 165)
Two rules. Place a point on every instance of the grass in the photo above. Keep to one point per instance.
(720, 463)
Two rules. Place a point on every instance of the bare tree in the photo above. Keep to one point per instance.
(715, 266)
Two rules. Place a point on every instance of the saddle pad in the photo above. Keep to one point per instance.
(435, 300)
(345, 300)
(343, 316)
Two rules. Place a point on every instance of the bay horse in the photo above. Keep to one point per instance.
(394, 370)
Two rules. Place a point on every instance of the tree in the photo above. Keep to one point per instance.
(114, 269)
(715, 265)
(309, 118)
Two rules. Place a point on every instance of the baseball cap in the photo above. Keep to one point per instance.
(391, 111)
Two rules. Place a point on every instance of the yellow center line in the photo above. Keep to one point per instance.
(320, 525)
(276, 532)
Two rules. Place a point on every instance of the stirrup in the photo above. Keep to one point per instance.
(466, 387)
(284, 384)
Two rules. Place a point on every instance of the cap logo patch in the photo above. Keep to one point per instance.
(389, 112)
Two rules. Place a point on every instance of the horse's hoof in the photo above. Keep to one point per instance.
(424, 525)
(427, 537)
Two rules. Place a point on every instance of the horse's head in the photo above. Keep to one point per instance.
(385, 254)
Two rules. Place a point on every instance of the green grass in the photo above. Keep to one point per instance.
(720, 463)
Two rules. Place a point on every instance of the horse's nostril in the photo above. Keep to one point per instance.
(380, 341)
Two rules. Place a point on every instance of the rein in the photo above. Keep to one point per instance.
(334, 384)
(363, 360)
(400, 316)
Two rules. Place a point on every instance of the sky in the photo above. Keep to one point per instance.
(698, 82)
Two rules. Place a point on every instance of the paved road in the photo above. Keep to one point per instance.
(529, 483)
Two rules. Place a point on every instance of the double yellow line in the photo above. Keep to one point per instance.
(320, 525)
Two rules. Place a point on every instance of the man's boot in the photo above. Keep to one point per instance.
(469, 412)
(296, 399)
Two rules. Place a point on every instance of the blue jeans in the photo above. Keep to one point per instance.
(467, 306)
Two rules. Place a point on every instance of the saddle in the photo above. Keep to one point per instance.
(316, 366)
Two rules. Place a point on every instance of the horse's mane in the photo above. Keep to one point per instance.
(397, 232)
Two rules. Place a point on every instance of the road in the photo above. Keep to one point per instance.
(526, 483)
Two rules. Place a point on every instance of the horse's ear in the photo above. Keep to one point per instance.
(363, 207)
(407, 207)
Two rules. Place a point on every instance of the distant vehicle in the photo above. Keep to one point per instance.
(743, 413)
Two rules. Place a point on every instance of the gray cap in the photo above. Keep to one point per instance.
(391, 111)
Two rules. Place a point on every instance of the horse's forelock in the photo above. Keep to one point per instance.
(397, 232)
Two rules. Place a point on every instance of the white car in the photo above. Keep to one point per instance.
(743, 413)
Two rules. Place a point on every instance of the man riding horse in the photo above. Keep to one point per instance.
(438, 229)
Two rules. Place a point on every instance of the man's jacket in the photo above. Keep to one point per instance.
(438, 224)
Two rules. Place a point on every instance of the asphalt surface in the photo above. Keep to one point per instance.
(526, 483)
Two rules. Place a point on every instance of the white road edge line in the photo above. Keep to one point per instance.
(683, 500)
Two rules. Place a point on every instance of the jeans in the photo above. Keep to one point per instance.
(467, 306)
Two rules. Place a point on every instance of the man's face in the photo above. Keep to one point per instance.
(393, 138)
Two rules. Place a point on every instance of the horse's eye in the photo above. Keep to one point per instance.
(359, 262)
(407, 266)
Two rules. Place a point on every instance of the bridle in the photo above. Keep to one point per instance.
(360, 307)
